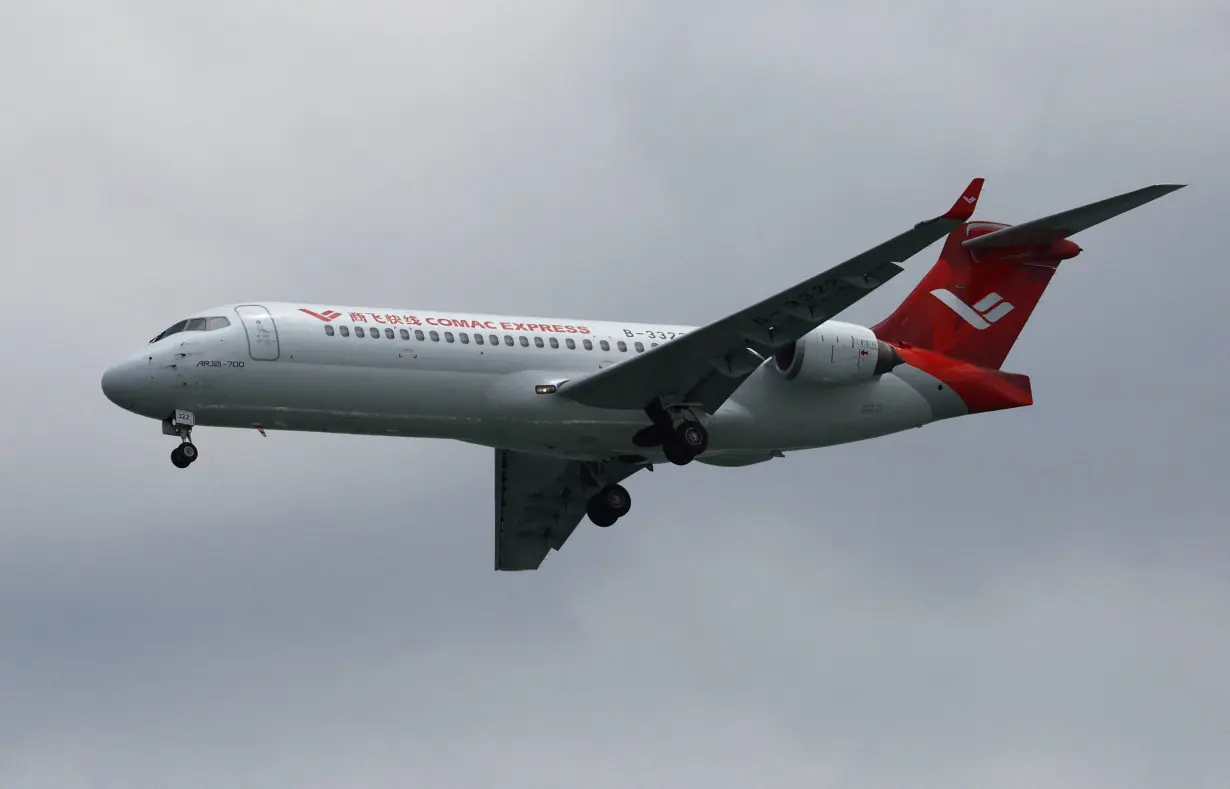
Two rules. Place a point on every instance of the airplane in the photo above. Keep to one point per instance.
(573, 407)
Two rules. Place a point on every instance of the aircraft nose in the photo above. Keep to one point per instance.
(119, 384)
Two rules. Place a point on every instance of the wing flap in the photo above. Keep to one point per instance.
(539, 500)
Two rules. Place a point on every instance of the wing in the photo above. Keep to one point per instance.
(708, 364)
(539, 500)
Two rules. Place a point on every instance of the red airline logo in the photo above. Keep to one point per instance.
(326, 316)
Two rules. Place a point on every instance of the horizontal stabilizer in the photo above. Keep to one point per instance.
(1059, 226)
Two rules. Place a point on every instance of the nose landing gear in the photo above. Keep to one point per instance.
(180, 424)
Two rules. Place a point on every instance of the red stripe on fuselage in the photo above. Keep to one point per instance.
(981, 389)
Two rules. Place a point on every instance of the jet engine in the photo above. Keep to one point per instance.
(836, 354)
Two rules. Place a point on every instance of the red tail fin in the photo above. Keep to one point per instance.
(975, 301)
(973, 309)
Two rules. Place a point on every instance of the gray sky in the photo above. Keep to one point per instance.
(1031, 598)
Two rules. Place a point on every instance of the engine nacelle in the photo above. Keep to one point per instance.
(836, 353)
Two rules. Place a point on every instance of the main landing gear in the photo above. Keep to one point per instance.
(609, 505)
(180, 424)
(676, 428)
(685, 441)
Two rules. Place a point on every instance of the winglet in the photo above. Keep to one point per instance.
(963, 209)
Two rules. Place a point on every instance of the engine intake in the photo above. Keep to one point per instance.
(836, 353)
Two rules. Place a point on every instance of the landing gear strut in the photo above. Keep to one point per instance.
(609, 505)
(180, 424)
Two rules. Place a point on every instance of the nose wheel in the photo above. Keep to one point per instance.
(609, 505)
(180, 424)
(184, 455)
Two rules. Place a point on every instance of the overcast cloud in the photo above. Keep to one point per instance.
(1031, 598)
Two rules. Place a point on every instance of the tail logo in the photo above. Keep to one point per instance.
(988, 310)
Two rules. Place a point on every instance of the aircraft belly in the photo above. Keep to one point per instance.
(516, 417)
(348, 399)
(769, 413)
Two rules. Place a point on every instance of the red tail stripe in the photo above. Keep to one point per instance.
(980, 389)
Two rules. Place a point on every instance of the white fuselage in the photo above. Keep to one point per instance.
(428, 374)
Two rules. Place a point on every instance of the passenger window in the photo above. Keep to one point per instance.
(508, 340)
(405, 335)
(537, 342)
(465, 338)
(653, 345)
(524, 342)
(216, 323)
(571, 343)
(589, 346)
(388, 333)
(640, 347)
(478, 339)
(623, 346)
(418, 334)
(358, 331)
(606, 346)
(329, 330)
(195, 324)
(448, 336)
(374, 334)
(554, 343)
(345, 330)
(434, 335)
(495, 340)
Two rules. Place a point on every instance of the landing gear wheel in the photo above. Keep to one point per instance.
(615, 499)
(184, 455)
(687, 440)
(609, 505)
(693, 436)
(599, 515)
(676, 454)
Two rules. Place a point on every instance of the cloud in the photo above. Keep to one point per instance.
(1019, 598)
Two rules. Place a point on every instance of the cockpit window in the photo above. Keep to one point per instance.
(194, 324)
(173, 330)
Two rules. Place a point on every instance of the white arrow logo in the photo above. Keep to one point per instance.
(988, 310)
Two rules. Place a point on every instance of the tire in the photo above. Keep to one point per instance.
(677, 453)
(602, 517)
(693, 436)
(615, 499)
